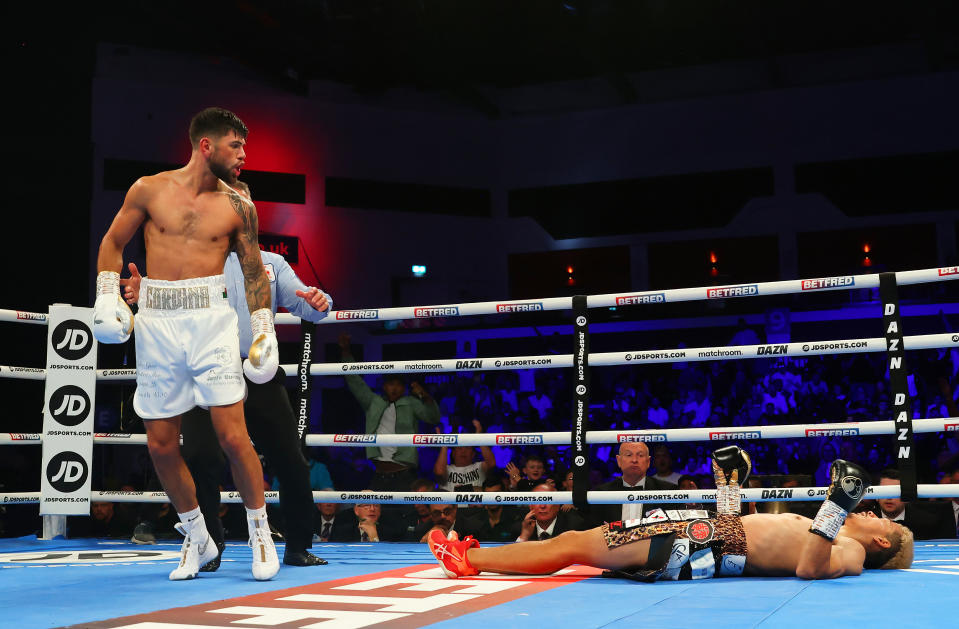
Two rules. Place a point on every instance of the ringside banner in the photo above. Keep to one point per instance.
(68, 402)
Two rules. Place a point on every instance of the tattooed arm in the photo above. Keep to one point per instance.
(264, 355)
(247, 247)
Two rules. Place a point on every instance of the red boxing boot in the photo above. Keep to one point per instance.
(451, 553)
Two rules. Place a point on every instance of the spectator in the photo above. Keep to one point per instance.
(447, 518)
(633, 462)
(923, 518)
(951, 476)
(102, 522)
(688, 482)
(545, 520)
(394, 413)
(663, 462)
(534, 471)
(404, 526)
(464, 473)
(331, 525)
(497, 522)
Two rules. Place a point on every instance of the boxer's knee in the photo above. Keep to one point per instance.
(235, 443)
(163, 450)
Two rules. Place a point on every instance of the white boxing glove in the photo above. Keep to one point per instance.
(112, 318)
(264, 356)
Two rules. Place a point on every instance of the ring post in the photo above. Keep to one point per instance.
(903, 443)
(580, 450)
(307, 330)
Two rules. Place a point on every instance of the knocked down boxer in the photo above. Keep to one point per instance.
(694, 544)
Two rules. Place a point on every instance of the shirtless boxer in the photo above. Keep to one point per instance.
(693, 545)
(187, 336)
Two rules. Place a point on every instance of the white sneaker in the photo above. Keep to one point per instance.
(193, 555)
(265, 562)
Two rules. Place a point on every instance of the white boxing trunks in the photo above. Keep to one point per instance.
(188, 348)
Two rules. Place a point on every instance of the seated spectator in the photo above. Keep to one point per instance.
(534, 472)
(497, 522)
(545, 520)
(331, 524)
(365, 524)
(688, 482)
(464, 473)
(924, 519)
(102, 522)
(446, 518)
(404, 526)
(633, 462)
(663, 463)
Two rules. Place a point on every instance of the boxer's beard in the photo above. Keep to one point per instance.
(222, 171)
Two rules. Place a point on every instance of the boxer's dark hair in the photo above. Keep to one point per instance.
(215, 122)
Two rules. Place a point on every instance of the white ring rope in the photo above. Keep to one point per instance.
(601, 359)
(675, 496)
(672, 435)
(699, 293)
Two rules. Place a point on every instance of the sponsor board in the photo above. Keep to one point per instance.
(535, 306)
(354, 438)
(357, 314)
(777, 493)
(829, 282)
(723, 435)
(414, 596)
(832, 432)
(24, 436)
(518, 440)
(644, 298)
(746, 290)
(948, 270)
(772, 350)
(951, 427)
(646, 438)
(31, 316)
(469, 364)
(437, 311)
(443, 440)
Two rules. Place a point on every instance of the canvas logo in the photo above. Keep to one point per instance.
(67, 472)
(72, 340)
(88, 556)
(69, 405)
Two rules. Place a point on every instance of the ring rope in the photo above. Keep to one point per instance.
(699, 293)
(784, 431)
(678, 496)
(600, 359)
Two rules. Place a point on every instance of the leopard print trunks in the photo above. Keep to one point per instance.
(706, 544)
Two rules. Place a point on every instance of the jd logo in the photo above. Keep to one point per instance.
(88, 556)
(67, 472)
(69, 405)
(72, 340)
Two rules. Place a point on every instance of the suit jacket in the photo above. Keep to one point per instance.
(343, 524)
(565, 521)
(612, 513)
(928, 520)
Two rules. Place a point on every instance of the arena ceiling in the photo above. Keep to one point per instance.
(464, 45)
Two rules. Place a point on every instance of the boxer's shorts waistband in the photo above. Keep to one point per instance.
(192, 294)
